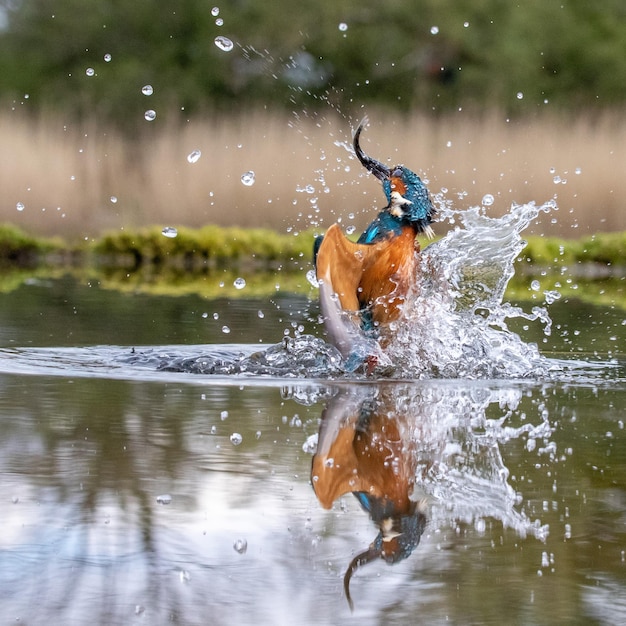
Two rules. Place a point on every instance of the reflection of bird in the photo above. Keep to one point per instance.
(367, 450)
(371, 277)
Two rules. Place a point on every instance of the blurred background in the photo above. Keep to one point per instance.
(118, 114)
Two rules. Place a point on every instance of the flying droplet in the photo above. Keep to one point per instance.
(114, 199)
(487, 199)
(535, 285)
(225, 330)
(434, 30)
(90, 71)
(224, 43)
(150, 115)
(520, 95)
(240, 545)
(239, 283)
(215, 11)
(147, 90)
(248, 178)
(236, 439)
(311, 276)
(107, 57)
(169, 231)
(343, 27)
(219, 22)
(164, 499)
(260, 314)
(19, 206)
(194, 156)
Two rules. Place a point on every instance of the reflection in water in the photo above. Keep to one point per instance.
(365, 449)
(409, 453)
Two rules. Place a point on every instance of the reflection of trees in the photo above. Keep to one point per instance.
(396, 448)
(88, 460)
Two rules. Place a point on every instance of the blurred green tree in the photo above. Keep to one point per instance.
(432, 54)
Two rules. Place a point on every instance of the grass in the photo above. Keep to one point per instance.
(82, 180)
(211, 247)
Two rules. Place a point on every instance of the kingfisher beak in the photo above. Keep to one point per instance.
(382, 172)
(359, 560)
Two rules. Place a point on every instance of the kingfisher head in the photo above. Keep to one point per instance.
(407, 196)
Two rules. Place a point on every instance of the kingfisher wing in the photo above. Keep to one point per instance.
(339, 265)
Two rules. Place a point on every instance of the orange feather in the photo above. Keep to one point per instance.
(377, 275)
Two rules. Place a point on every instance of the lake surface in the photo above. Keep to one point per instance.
(136, 491)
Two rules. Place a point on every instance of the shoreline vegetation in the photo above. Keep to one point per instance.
(211, 261)
(214, 247)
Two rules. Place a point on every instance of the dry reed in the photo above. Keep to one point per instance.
(78, 182)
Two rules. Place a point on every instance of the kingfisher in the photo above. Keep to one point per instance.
(367, 449)
(369, 280)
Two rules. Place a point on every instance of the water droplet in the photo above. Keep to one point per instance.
(236, 439)
(239, 283)
(535, 285)
(224, 43)
(223, 415)
(434, 30)
(240, 545)
(350, 230)
(260, 314)
(225, 330)
(219, 22)
(247, 178)
(551, 296)
(343, 27)
(90, 71)
(578, 171)
(114, 199)
(194, 156)
(215, 11)
(164, 499)
(107, 57)
(310, 445)
(19, 206)
(169, 231)
(487, 199)
(147, 90)
(311, 276)
(465, 24)
(519, 95)
(150, 115)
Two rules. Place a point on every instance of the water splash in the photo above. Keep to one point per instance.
(455, 324)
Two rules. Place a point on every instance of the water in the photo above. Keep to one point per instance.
(152, 471)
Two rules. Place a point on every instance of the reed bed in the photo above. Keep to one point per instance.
(81, 180)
